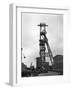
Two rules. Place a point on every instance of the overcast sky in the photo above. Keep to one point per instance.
(30, 35)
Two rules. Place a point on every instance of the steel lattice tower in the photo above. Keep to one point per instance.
(43, 42)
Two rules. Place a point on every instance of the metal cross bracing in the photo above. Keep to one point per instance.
(43, 42)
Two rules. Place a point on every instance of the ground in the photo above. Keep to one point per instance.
(50, 73)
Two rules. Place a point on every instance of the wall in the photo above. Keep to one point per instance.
(4, 41)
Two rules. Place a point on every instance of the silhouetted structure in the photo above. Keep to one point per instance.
(43, 43)
(58, 64)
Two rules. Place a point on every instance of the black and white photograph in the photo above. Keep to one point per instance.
(41, 44)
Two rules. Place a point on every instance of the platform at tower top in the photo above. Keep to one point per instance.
(42, 24)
